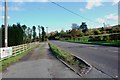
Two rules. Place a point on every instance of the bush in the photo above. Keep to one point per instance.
(114, 37)
(97, 32)
(106, 38)
(96, 38)
(91, 38)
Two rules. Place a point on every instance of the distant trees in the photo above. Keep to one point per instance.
(83, 27)
(18, 34)
(43, 34)
(39, 29)
(34, 33)
(29, 35)
(82, 30)
(97, 32)
(75, 26)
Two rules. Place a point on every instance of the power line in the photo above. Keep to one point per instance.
(72, 12)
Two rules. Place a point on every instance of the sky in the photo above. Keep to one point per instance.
(47, 14)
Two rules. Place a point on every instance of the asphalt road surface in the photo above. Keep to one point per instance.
(103, 58)
(39, 63)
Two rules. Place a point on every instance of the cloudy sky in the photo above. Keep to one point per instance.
(47, 14)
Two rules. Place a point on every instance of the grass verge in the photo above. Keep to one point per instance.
(77, 64)
(112, 43)
(7, 62)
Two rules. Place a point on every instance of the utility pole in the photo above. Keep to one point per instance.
(47, 33)
(104, 25)
(47, 30)
(6, 23)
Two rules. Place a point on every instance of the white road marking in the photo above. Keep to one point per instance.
(114, 51)
(93, 47)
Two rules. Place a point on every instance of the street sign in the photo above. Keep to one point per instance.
(5, 52)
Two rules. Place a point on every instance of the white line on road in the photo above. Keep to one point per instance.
(93, 47)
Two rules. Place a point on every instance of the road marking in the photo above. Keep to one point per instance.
(114, 51)
(93, 47)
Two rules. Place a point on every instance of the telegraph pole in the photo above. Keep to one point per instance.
(47, 30)
(104, 25)
(6, 23)
(47, 33)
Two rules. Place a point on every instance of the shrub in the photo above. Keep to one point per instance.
(106, 38)
(91, 38)
(97, 32)
(98, 38)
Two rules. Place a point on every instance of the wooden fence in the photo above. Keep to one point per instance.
(20, 49)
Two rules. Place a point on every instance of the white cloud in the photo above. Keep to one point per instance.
(109, 17)
(112, 17)
(15, 8)
(100, 20)
(2, 17)
(93, 3)
(12, 8)
(115, 1)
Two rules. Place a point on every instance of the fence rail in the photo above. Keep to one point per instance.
(20, 49)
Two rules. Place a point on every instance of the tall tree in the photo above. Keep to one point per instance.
(83, 27)
(34, 33)
(74, 26)
(39, 29)
(24, 27)
(29, 34)
(43, 33)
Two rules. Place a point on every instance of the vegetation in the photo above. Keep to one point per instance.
(34, 32)
(109, 43)
(20, 34)
(78, 65)
(103, 35)
(59, 53)
(43, 34)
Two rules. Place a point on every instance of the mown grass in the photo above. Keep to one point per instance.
(7, 62)
(61, 54)
(107, 43)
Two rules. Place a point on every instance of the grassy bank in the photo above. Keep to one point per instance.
(68, 58)
(7, 62)
(106, 43)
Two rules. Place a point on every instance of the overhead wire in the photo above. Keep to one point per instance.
(72, 12)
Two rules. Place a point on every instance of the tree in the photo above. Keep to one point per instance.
(43, 33)
(74, 26)
(24, 27)
(39, 29)
(76, 33)
(34, 32)
(29, 34)
(97, 32)
(83, 27)
(15, 34)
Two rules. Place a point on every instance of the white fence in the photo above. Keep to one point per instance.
(15, 50)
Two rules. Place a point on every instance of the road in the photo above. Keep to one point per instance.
(39, 63)
(103, 58)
